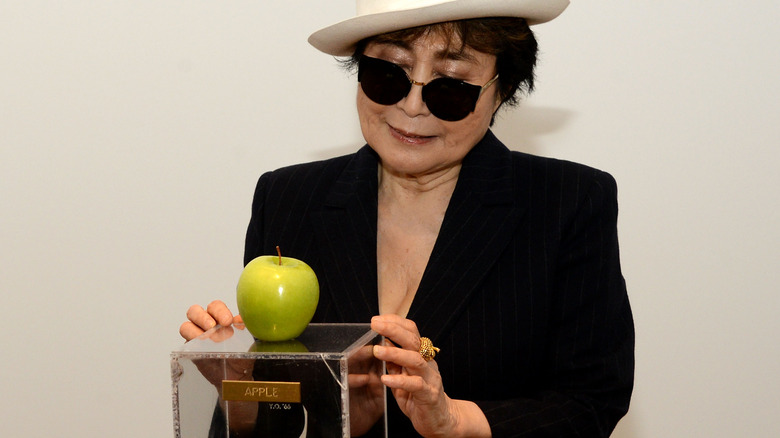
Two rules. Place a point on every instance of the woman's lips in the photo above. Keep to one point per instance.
(409, 137)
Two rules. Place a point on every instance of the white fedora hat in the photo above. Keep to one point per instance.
(375, 17)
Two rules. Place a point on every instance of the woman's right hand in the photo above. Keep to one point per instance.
(199, 319)
(241, 416)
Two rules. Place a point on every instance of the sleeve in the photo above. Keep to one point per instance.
(590, 353)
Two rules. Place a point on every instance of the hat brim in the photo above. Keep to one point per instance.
(340, 39)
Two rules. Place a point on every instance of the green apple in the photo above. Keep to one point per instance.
(277, 297)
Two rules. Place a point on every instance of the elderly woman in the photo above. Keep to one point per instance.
(506, 261)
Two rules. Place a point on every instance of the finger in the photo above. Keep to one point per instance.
(190, 331)
(412, 384)
(402, 332)
(393, 368)
(238, 322)
(358, 380)
(223, 333)
(392, 318)
(198, 316)
(412, 361)
(220, 312)
(362, 360)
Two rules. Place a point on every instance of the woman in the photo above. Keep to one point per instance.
(506, 261)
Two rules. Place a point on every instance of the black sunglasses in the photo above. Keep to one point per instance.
(448, 99)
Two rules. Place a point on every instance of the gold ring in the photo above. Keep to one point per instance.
(427, 350)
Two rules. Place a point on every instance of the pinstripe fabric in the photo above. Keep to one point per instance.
(523, 291)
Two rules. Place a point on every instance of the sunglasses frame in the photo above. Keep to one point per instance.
(448, 110)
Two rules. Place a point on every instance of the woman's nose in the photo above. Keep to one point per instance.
(413, 104)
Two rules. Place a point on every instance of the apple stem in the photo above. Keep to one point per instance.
(279, 251)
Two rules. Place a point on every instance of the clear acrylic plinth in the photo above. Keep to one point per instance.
(325, 383)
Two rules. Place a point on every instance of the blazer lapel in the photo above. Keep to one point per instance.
(478, 224)
(477, 227)
(345, 230)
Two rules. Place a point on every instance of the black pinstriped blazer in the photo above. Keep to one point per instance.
(523, 290)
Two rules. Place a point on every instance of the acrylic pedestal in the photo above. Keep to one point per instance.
(227, 384)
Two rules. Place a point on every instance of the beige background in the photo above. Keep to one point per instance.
(132, 133)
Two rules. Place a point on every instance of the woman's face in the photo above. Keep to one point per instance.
(410, 141)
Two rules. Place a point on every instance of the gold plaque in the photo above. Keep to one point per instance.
(241, 390)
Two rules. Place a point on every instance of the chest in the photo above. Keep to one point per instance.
(403, 251)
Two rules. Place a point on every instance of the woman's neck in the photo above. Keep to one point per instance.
(408, 188)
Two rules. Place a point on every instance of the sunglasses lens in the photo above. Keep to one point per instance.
(386, 84)
(450, 99)
(383, 82)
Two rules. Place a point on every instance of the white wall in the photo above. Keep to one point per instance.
(132, 132)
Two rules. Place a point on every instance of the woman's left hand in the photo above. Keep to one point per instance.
(417, 386)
